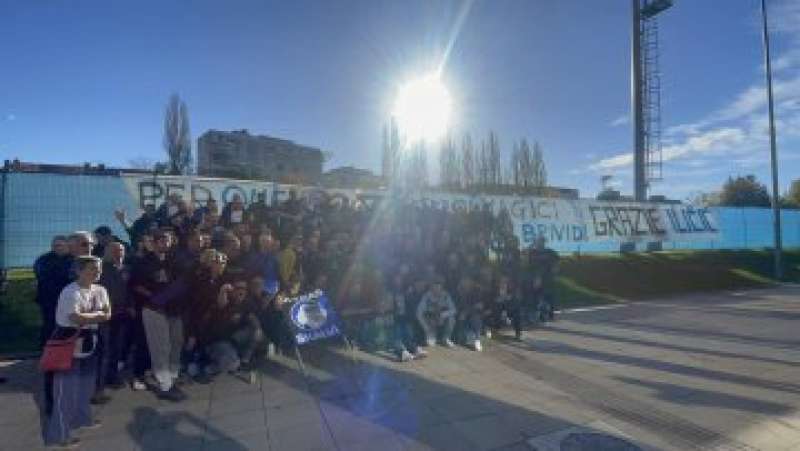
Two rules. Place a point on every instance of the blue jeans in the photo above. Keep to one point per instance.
(472, 326)
(404, 336)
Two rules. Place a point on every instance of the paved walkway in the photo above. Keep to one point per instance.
(718, 371)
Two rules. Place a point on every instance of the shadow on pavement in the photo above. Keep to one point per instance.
(712, 335)
(660, 365)
(699, 397)
(154, 430)
(672, 347)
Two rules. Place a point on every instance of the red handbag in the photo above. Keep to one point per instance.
(57, 354)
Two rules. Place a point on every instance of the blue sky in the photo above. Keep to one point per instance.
(88, 80)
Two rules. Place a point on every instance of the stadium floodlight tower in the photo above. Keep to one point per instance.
(646, 95)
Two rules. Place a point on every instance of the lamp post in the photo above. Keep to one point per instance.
(643, 10)
(776, 208)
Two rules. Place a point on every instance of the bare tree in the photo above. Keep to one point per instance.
(416, 171)
(494, 176)
(513, 166)
(386, 156)
(467, 162)
(393, 160)
(422, 158)
(538, 169)
(525, 164)
(445, 177)
(177, 141)
(448, 164)
(483, 166)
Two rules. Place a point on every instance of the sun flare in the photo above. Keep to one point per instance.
(422, 109)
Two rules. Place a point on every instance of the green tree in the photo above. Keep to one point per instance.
(792, 198)
(704, 199)
(744, 191)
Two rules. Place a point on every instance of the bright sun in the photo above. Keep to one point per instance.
(422, 109)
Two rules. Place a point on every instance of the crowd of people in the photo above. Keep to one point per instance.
(196, 290)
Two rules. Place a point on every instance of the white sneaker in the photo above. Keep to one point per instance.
(449, 343)
(488, 334)
(406, 356)
(477, 346)
(138, 385)
(431, 342)
(421, 354)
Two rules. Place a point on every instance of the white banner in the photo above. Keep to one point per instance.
(559, 220)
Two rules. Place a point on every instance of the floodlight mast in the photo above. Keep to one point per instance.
(646, 95)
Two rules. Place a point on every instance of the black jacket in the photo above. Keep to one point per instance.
(53, 273)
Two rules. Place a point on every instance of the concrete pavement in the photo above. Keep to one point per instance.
(710, 371)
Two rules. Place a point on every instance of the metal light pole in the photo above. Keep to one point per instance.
(639, 182)
(642, 48)
(776, 208)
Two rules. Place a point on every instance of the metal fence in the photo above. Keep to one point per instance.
(36, 206)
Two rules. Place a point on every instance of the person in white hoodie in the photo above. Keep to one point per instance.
(436, 314)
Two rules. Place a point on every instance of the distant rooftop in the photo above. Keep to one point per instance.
(67, 169)
(244, 133)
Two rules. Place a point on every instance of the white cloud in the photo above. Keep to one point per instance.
(711, 142)
(685, 129)
(617, 161)
(625, 119)
(788, 60)
(755, 98)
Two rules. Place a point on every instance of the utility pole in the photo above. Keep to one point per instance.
(776, 207)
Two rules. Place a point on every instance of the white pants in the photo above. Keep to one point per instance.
(165, 342)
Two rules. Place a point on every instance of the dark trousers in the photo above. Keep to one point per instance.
(116, 346)
(101, 352)
(544, 303)
(48, 313)
(514, 309)
(276, 329)
(141, 354)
